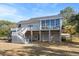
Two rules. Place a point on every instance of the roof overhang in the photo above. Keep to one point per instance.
(37, 19)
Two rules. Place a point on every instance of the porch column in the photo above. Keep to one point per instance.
(40, 34)
(60, 39)
(60, 31)
(40, 31)
(31, 35)
(49, 37)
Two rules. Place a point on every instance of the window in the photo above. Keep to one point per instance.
(47, 24)
(14, 31)
(30, 26)
(35, 26)
(52, 23)
(57, 22)
(19, 25)
(43, 24)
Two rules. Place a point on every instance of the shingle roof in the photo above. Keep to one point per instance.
(55, 16)
(40, 18)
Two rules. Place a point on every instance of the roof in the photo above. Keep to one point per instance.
(40, 18)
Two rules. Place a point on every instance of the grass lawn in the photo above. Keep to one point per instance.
(38, 49)
(75, 39)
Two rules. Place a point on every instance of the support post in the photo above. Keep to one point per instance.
(40, 30)
(60, 35)
(60, 31)
(31, 35)
(49, 36)
(40, 34)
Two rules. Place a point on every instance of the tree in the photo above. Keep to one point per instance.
(70, 29)
(5, 27)
(74, 21)
(66, 14)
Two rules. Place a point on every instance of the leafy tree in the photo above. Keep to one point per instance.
(66, 14)
(5, 27)
(74, 20)
(70, 29)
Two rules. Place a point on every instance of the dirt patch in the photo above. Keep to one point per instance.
(38, 49)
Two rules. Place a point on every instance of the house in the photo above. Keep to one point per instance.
(47, 28)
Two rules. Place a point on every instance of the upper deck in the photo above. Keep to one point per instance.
(42, 23)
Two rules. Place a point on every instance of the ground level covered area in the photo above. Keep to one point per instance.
(38, 49)
(43, 35)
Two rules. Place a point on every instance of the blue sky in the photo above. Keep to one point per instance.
(23, 11)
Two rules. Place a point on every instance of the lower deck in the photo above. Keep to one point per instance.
(48, 35)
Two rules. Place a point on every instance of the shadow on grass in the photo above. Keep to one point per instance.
(69, 44)
(37, 51)
(42, 49)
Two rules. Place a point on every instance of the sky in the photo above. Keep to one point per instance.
(16, 12)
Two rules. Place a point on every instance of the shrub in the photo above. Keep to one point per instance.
(66, 39)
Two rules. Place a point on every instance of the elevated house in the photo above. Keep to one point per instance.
(46, 28)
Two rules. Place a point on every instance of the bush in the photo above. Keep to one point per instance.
(64, 39)
(4, 32)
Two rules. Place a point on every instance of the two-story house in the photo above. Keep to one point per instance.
(46, 28)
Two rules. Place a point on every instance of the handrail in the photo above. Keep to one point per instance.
(21, 30)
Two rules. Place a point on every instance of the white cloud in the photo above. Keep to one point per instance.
(15, 12)
(10, 13)
(7, 10)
